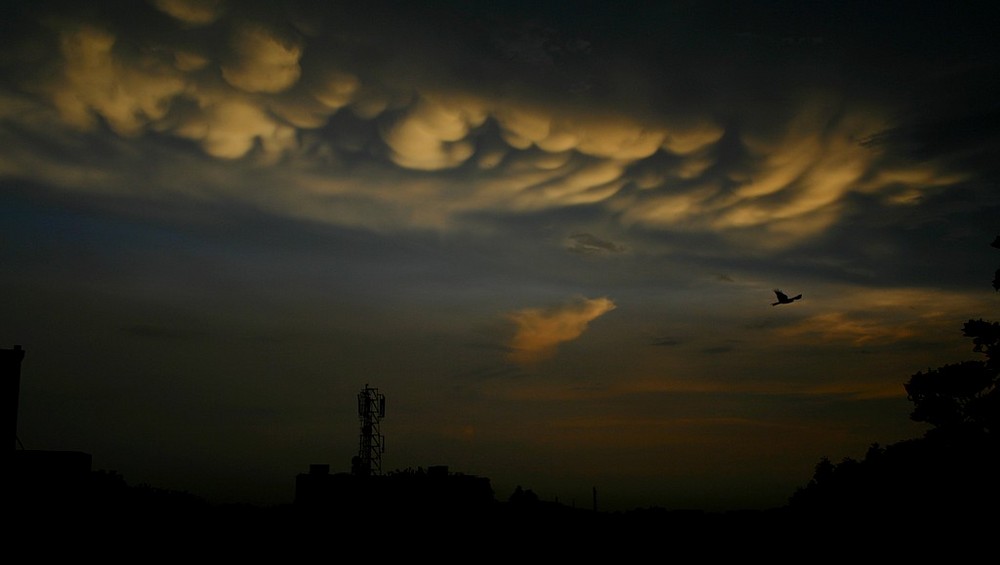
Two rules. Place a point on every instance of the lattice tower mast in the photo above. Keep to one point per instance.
(371, 409)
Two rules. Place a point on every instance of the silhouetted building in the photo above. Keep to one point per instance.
(413, 492)
(366, 491)
(39, 477)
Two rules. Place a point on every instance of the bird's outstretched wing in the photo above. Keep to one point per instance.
(783, 298)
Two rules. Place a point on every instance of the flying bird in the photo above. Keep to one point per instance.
(783, 298)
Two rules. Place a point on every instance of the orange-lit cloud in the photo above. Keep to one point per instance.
(880, 316)
(540, 331)
(842, 326)
(585, 184)
(96, 82)
(251, 95)
(229, 128)
(192, 12)
(432, 135)
(263, 61)
(336, 89)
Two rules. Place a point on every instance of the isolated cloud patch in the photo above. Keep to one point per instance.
(540, 331)
(589, 244)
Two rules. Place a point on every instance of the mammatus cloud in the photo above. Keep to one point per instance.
(192, 12)
(540, 331)
(262, 61)
(95, 82)
(433, 135)
(268, 92)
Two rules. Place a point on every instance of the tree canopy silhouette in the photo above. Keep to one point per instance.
(950, 473)
(961, 397)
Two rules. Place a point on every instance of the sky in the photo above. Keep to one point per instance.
(548, 232)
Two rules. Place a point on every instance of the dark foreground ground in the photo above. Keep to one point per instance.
(142, 531)
(914, 502)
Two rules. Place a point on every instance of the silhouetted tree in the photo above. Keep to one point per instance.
(962, 397)
(949, 474)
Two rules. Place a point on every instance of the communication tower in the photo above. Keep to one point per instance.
(371, 409)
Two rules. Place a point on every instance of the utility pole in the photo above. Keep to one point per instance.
(10, 370)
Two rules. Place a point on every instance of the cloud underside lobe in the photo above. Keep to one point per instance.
(539, 332)
(272, 92)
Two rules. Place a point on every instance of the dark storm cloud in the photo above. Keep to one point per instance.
(962, 135)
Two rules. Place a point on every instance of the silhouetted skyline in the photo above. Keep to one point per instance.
(549, 236)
